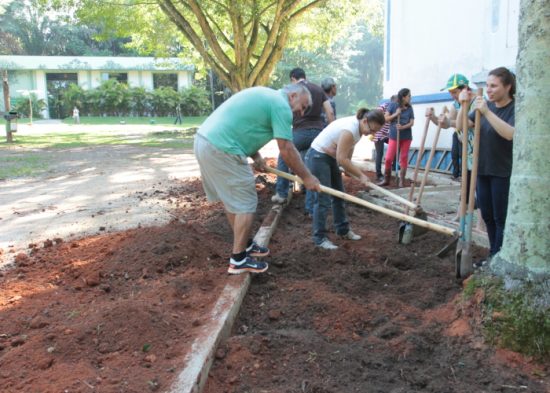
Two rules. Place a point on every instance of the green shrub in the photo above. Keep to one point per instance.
(195, 101)
(164, 101)
(140, 101)
(117, 99)
(21, 105)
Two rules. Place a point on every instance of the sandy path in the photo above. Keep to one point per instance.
(90, 190)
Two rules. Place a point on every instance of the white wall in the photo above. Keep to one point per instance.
(184, 80)
(429, 40)
(42, 90)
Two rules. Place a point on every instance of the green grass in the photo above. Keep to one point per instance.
(66, 140)
(23, 165)
(163, 121)
(87, 134)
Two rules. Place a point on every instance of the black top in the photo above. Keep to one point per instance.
(406, 115)
(495, 152)
(312, 117)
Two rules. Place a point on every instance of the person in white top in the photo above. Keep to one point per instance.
(330, 150)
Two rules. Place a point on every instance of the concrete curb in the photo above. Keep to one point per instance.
(199, 360)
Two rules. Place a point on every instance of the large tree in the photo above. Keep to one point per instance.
(242, 41)
(525, 253)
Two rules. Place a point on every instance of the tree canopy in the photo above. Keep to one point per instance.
(241, 41)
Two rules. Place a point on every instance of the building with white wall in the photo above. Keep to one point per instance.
(426, 41)
(38, 73)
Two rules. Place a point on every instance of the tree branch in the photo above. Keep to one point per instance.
(184, 26)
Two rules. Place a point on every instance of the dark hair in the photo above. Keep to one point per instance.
(297, 73)
(374, 115)
(402, 94)
(507, 78)
(393, 98)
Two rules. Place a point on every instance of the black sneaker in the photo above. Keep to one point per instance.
(248, 264)
(255, 250)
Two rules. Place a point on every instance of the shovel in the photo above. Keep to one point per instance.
(350, 198)
(463, 254)
(406, 231)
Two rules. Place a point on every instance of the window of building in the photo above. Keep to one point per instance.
(122, 77)
(165, 80)
(495, 15)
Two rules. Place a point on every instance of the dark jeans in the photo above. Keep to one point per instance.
(302, 140)
(492, 198)
(456, 154)
(326, 169)
(379, 145)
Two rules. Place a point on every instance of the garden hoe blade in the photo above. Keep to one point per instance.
(447, 248)
(406, 229)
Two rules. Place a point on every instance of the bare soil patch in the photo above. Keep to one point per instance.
(372, 316)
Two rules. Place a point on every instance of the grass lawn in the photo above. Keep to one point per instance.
(22, 165)
(164, 121)
(17, 160)
(95, 131)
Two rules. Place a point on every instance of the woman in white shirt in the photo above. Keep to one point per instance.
(330, 150)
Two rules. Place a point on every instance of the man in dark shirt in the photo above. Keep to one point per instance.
(304, 130)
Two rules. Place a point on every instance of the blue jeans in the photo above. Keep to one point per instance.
(326, 169)
(379, 145)
(492, 198)
(302, 141)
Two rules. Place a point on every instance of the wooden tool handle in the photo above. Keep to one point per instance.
(464, 181)
(342, 195)
(419, 159)
(390, 194)
(475, 157)
(428, 166)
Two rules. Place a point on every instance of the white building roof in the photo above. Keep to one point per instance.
(76, 63)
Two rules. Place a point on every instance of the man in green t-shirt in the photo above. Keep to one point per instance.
(236, 130)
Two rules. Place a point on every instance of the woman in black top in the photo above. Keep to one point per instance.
(495, 152)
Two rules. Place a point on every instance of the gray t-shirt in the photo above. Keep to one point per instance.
(495, 152)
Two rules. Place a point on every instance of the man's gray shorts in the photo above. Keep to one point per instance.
(226, 177)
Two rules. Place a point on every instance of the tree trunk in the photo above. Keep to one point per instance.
(7, 104)
(525, 253)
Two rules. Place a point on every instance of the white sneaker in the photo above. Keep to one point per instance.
(351, 236)
(327, 245)
(278, 199)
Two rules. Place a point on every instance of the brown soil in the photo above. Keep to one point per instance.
(372, 316)
(117, 312)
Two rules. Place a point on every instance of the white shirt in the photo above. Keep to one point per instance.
(327, 141)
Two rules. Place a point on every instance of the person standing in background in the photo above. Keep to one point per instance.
(76, 115)
(401, 116)
(305, 127)
(329, 86)
(381, 138)
(178, 114)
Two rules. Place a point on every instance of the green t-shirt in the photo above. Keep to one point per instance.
(244, 123)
